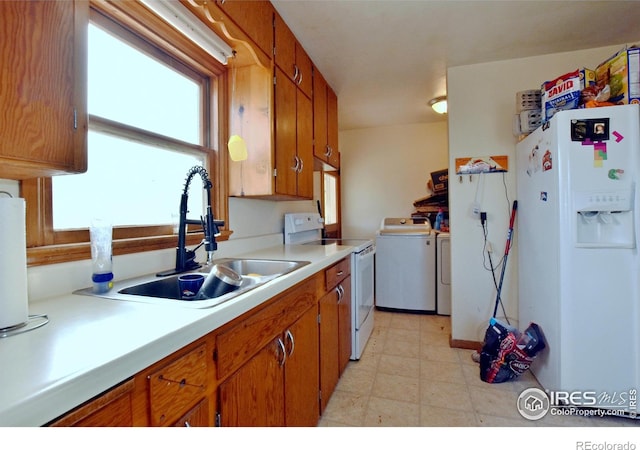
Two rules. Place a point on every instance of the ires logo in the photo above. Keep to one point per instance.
(594, 399)
(534, 403)
(576, 398)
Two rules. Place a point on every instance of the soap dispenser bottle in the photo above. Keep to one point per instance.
(439, 219)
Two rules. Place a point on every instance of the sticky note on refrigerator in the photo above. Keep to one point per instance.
(599, 154)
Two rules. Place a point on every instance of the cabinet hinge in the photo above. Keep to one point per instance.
(75, 119)
(275, 172)
(218, 420)
(318, 318)
(274, 81)
(320, 395)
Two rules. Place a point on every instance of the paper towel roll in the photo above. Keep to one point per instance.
(14, 303)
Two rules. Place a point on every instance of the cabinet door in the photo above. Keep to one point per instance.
(320, 116)
(284, 47)
(344, 323)
(43, 52)
(254, 395)
(304, 145)
(198, 416)
(305, 77)
(177, 385)
(255, 18)
(329, 344)
(111, 409)
(302, 371)
(332, 128)
(285, 135)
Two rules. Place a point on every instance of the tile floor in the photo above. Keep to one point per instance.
(408, 376)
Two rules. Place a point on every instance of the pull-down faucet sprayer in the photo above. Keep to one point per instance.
(185, 259)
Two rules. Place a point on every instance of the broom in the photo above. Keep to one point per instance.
(476, 355)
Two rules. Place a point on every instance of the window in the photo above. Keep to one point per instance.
(142, 95)
(331, 202)
(154, 102)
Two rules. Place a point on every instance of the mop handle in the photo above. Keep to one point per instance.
(511, 221)
(506, 254)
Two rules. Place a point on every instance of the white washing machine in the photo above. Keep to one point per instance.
(443, 273)
(405, 265)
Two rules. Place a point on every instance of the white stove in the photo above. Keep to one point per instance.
(306, 229)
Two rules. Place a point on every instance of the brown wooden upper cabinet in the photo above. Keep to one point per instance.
(276, 100)
(43, 118)
(332, 127)
(291, 57)
(293, 139)
(325, 121)
(255, 18)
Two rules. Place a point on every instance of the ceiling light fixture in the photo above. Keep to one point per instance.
(179, 17)
(439, 104)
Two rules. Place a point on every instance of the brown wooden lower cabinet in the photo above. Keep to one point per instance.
(111, 409)
(302, 372)
(335, 327)
(278, 386)
(264, 368)
(329, 367)
(253, 396)
(344, 324)
(198, 416)
(174, 387)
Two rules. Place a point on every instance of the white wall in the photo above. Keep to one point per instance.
(10, 186)
(481, 108)
(249, 218)
(384, 170)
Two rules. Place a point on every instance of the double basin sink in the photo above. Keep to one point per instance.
(165, 290)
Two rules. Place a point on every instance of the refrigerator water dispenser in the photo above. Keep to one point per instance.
(604, 219)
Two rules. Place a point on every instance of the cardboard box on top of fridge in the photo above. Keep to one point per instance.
(618, 78)
(440, 180)
(564, 92)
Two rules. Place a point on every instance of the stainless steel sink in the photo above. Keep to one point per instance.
(164, 290)
(261, 267)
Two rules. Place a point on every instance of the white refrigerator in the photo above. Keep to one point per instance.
(578, 266)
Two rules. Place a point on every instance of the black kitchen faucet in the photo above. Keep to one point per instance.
(185, 259)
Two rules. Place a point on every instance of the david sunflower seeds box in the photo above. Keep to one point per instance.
(564, 92)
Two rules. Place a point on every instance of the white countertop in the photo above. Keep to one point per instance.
(91, 344)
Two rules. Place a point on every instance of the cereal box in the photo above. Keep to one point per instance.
(440, 181)
(564, 92)
(618, 78)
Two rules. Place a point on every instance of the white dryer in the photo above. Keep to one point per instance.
(405, 265)
(443, 273)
